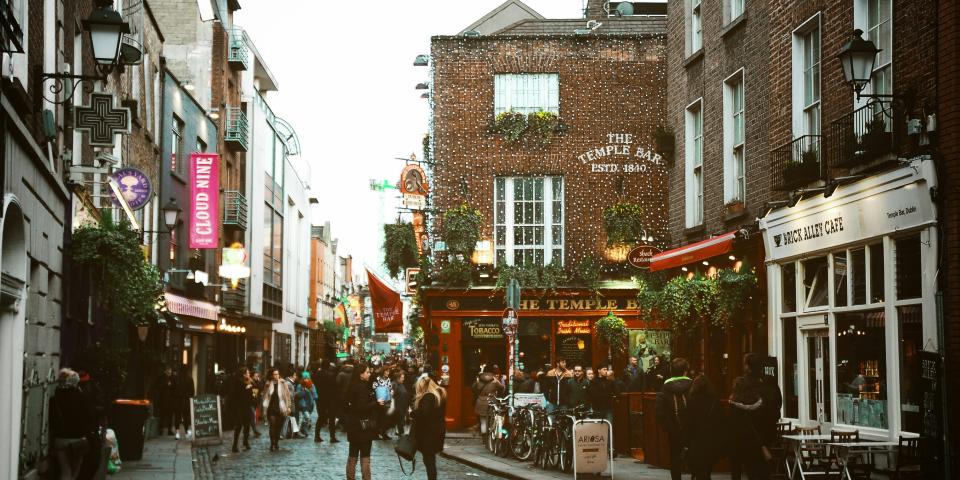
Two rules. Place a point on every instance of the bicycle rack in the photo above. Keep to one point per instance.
(609, 443)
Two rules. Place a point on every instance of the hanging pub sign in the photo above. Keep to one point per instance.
(135, 187)
(620, 153)
(102, 120)
(204, 200)
(640, 256)
(414, 187)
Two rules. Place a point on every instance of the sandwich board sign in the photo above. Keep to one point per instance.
(205, 419)
(592, 447)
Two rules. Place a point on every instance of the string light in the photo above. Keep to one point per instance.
(608, 84)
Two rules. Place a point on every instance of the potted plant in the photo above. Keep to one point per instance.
(804, 170)
(612, 330)
(510, 124)
(541, 127)
(399, 247)
(734, 207)
(876, 140)
(664, 139)
(623, 223)
(461, 230)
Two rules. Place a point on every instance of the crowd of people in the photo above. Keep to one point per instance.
(367, 402)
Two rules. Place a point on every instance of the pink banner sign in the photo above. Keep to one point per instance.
(204, 199)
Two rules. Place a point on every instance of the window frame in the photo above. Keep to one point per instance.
(176, 145)
(693, 26)
(509, 88)
(508, 213)
(693, 159)
(734, 148)
(807, 115)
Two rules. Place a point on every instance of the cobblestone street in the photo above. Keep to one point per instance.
(302, 458)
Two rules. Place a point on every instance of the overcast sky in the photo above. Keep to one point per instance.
(346, 84)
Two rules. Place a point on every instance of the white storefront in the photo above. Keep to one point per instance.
(852, 300)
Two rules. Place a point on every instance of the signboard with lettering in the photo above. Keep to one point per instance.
(135, 187)
(483, 329)
(575, 349)
(600, 306)
(524, 399)
(577, 327)
(645, 344)
(591, 447)
(205, 419)
(640, 256)
(847, 217)
(621, 153)
(204, 200)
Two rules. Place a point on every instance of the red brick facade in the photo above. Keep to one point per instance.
(608, 85)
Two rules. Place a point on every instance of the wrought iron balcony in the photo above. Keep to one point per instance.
(239, 55)
(797, 163)
(235, 299)
(860, 137)
(234, 210)
(237, 130)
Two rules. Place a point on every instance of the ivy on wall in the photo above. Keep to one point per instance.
(685, 302)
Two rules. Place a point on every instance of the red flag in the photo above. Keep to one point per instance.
(387, 307)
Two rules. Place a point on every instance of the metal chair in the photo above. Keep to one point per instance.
(908, 459)
(859, 470)
(813, 457)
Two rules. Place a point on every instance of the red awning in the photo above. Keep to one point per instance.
(694, 252)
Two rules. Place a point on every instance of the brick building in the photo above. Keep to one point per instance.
(840, 188)
(542, 202)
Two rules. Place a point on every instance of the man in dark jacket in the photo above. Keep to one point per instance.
(633, 375)
(671, 407)
(343, 382)
(602, 389)
(241, 399)
(577, 388)
(328, 401)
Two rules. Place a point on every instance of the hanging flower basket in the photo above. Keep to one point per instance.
(613, 331)
(399, 247)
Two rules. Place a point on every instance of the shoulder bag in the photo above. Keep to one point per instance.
(406, 449)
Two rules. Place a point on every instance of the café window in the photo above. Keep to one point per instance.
(840, 292)
(791, 374)
(788, 275)
(861, 369)
(815, 284)
(529, 223)
(907, 267)
(911, 344)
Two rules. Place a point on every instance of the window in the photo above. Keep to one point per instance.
(815, 290)
(840, 279)
(880, 31)
(911, 344)
(694, 27)
(272, 246)
(861, 369)
(791, 375)
(734, 9)
(176, 146)
(806, 78)
(859, 276)
(735, 185)
(526, 92)
(528, 220)
(788, 288)
(201, 146)
(907, 267)
(876, 273)
(694, 164)
(173, 247)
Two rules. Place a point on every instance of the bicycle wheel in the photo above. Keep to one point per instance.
(566, 451)
(553, 457)
(520, 443)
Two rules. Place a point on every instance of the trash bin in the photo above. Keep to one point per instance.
(127, 421)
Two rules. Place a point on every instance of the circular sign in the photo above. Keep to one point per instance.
(135, 187)
(413, 181)
(445, 369)
(640, 256)
(453, 304)
(445, 326)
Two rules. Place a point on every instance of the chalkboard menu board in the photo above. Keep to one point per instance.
(931, 411)
(575, 349)
(205, 418)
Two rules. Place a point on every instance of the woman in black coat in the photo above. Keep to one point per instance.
(429, 427)
(361, 409)
(703, 428)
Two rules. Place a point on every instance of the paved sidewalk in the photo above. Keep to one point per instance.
(164, 458)
(469, 451)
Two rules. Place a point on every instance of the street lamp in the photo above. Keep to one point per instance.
(106, 28)
(857, 58)
(171, 214)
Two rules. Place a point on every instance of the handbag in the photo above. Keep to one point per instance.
(406, 449)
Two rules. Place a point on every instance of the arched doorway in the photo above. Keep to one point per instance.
(13, 281)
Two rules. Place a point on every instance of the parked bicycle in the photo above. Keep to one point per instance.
(522, 429)
(564, 434)
(497, 439)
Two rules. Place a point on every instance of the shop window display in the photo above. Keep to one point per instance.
(861, 369)
(911, 344)
(908, 267)
(815, 290)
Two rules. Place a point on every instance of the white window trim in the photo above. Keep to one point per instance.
(861, 20)
(504, 85)
(694, 195)
(730, 168)
(729, 15)
(693, 43)
(798, 124)
(508, 201)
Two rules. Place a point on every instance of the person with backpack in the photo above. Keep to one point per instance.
(306, 398)
(671, 408)
(754, 411)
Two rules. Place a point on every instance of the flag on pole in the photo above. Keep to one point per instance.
(387, 306)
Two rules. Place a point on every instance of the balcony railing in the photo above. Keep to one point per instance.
(237, 131)
(234, 209)
(239, 56)
(236, 298)
(797, 163)
(860, 137)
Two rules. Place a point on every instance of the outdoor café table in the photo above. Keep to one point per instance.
(845, 451)
(797, 441)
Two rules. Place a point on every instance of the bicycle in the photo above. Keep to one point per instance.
(566, 417)
(497, 434)
(521, 432)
